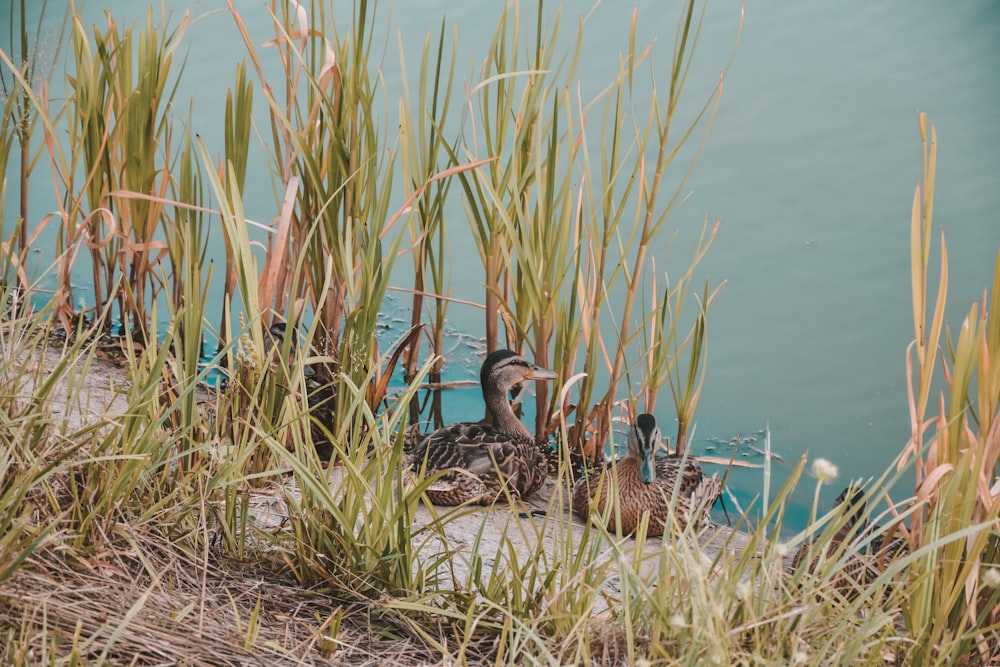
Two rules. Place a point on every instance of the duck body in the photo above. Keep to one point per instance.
(647, 483)
(862, 566)
(480, 459)
(858, 570)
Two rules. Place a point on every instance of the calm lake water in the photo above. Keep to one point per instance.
(811, 166)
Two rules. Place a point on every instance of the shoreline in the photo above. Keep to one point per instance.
(98, 397)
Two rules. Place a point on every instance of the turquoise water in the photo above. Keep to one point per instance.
(811, 166)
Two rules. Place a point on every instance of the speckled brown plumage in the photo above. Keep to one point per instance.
(862, 566)
(480, 458)
(646, 483)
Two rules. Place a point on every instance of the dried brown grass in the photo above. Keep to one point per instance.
(161, 605)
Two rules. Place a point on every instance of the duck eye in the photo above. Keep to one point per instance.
(517, 364)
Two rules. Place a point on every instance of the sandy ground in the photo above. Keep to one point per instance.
(491, 532)
(97, 396)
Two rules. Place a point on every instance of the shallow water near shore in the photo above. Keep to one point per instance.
(811, 166)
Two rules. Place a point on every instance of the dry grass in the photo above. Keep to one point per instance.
(161, 605)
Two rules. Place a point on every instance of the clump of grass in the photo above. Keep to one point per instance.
(952, 610)
(353, 522)
(26, 463)
(557, 235)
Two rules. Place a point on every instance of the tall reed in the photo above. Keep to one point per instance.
(91, 143)
(551, 228)
(528, 198)
(19, 112)
(422, 152)
(9, 243)
(956, 452)
(141, 105)
(118, 102)
(28, 66)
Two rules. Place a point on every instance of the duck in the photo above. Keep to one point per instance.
(274, 340)
(863, 565)
(480, 459)
(646, 484)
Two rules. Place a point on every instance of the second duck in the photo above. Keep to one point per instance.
(646, 483)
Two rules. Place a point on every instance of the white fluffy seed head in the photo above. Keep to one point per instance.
(824, 471)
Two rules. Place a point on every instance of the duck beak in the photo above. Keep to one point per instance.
(539, 373)
(647, 472)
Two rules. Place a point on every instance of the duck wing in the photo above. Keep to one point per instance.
(485, 452)
(686, 473)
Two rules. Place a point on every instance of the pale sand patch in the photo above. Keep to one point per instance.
(95, 393)
(494, 532)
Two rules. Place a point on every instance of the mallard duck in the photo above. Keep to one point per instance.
(274, 340)
(646, 484)
(863, 564)
(482, 457)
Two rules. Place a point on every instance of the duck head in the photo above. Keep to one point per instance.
(505, 368)
(643, 439)
(852, 500)
(275, 339)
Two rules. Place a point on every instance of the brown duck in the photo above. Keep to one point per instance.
(646, 483)
(862, 565)
(480, 458)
